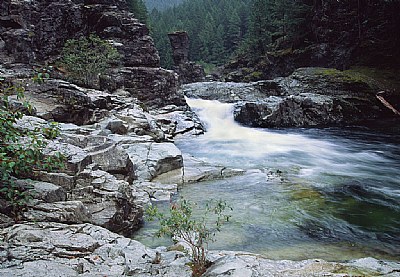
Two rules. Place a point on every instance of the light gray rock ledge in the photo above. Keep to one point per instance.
(54, 249)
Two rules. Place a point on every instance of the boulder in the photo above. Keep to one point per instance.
(157, 192)
(153, 159)
(112, 203)
(77, 158)
(155, 87)
(61, 101)
(111, 158)
(63, 212)
(196, 170)
(174, 121)
(67, 182)
(316, 97)
(44, 191)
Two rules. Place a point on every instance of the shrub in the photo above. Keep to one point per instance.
(88, 57)
(21, 151)
(180, 224)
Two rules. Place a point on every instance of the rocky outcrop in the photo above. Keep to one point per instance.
(34, 32)
(310, 97)
(54, 249)
(111, 156)
(189, 72)
(154, 87)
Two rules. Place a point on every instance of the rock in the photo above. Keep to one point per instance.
(155, 87)
(117, 126)
(153, 159)
(310, 97)
(77, 158)
(196, 170)
(111, 158)
(35, 31)
(64, 212)
(30, 123)
(47, 192)
(88, 250)
(224, 91)
(157, 191)
(189, 72)
(67, 182)
(5, 222)
(180, 47)
(61, 101)
(174, 123)
(112, 203)
(81, 250)
(383, 267)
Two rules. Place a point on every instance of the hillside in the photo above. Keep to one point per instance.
(268, 38)
(161, 4)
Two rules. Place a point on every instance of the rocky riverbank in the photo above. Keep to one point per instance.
(54, 249)
(118, 142)
(310, 97)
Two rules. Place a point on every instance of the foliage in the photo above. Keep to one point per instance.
(215, 28)
(181, 224)
(42, 74)
(218, 29)
(21, 151)
(138, 8)
(161, 4)
(88, 57)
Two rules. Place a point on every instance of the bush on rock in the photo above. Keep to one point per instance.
(88, 57)
(21, 150)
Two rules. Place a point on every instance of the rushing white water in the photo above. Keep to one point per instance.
(221, 126)
(312, 155)
(334, 191)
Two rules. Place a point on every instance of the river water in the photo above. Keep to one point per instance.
(306, 193)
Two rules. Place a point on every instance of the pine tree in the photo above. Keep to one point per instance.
(138, 8)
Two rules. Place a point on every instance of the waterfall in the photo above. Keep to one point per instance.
(220, 126)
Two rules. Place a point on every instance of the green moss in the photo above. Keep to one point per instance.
(375, 78)
(389, 79)
(352, 271)
(343, 76)
(254, 76)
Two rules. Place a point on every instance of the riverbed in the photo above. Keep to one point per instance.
(306, 193)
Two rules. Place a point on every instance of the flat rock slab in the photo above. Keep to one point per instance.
(54, 249)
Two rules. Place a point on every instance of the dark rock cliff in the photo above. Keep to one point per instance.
(189, 72)
(34, 32)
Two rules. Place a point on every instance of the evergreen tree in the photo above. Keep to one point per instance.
(261, 26)
(138, 8)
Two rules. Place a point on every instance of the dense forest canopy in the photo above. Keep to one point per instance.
(220, 29)
(138, 8)
(161, 4)
(216, 28)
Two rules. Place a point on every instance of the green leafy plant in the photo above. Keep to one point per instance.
(42, 74)
(88, 57)
(182, 225)
(21, 151)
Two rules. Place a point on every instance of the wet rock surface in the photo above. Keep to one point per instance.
(310, 97)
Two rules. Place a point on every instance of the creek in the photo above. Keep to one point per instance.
(306, 193)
